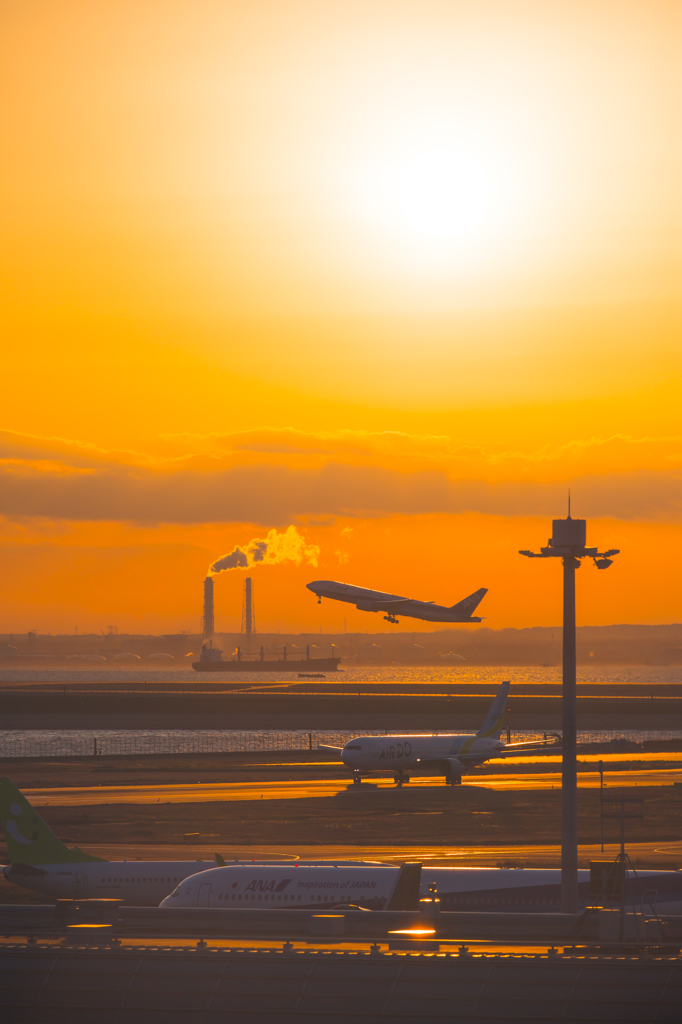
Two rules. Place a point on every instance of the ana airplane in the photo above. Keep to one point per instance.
(298, 886)
(376, 601)
(441, 754)
(41, 862)
(335, 886)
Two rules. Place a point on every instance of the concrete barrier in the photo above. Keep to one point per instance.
(42, 985)
(327, 924)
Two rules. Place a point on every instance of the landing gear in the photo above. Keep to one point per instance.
(392, 618)
(357, 779)
(319, 600)
(401, 778)
(453, 780)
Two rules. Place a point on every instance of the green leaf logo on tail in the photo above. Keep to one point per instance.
(29, 839)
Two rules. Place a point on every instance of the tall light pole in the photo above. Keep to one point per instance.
(568, 543)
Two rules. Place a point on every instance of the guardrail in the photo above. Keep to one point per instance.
(190, 922)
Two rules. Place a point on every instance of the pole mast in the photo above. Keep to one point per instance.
(568, 542)
(569, 770)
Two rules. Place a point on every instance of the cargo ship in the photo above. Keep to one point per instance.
(211, 660)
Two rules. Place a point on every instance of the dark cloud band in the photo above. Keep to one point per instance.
(272, 495)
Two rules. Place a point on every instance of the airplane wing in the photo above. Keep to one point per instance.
(481, 756)
(325, 746)
(457, 760)
(507, 752)
(531, 745)
(390, 604)
(510, 749)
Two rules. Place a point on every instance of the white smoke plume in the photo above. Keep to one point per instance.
(289, 546)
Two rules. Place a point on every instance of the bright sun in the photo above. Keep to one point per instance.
(464, 202)
(444, 194)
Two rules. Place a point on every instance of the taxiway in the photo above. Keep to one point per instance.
(316, 788)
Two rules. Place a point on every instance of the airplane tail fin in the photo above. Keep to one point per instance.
(405, 893)
(494, 720)
(469, 604)
(29, 839)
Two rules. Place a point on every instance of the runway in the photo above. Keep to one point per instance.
(341, 685)
(319, 788)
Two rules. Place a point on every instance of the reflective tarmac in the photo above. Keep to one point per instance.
(661, 854)
(317, 788)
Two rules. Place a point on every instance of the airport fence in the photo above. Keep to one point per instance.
(108, 742)
(85, 743)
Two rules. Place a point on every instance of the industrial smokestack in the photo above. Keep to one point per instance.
(248, 611)
(208, 607)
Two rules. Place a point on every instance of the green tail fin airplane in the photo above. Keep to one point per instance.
(29, 839)
(40, 861)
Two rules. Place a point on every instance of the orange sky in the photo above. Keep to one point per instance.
(396, 273)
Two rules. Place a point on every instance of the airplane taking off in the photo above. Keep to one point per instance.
(376, 601)
(448, 755)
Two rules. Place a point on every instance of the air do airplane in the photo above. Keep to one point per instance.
(376, 601)
(372, 887)
(41, 862)
(443, 754)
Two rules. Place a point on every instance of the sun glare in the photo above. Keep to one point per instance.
(456, 201)
(444, 194)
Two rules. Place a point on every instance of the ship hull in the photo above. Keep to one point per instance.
(312, 665)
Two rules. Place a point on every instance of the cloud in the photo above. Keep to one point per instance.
(394, 449)
(389, 449)
(67, 480)
(30, 448)
(289, 546)
(40, 466)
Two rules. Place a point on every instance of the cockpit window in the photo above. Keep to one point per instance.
(353, 746)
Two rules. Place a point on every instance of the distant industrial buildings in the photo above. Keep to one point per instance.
(597, 645)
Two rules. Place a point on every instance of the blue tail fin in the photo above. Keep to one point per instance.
(469, 604)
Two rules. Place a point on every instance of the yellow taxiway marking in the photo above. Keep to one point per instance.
(311, 789)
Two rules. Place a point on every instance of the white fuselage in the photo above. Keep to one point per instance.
(377, 601)
(304, 887)
(414, 752)
(290, 885)
(136, 883)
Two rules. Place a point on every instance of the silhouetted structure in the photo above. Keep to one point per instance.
(248, 610)
(208, 621)
(568, 543)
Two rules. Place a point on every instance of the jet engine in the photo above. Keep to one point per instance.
(453, 771)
